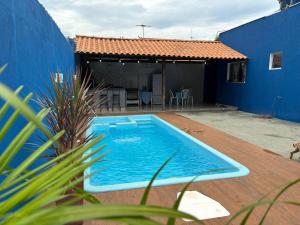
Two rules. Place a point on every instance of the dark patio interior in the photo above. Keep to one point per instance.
(137, 79)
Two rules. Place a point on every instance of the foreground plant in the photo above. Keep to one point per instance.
(72, 109)
(28, 196)
(246, 212)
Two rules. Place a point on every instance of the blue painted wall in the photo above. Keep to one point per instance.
(272, 92)
(34, 47)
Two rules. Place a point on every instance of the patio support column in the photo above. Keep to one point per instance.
(163, 85)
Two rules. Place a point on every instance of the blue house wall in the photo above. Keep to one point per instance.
(31, 44)
(33, 47)
(271, 92)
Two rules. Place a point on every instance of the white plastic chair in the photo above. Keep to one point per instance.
(172, 97)
(186, 98)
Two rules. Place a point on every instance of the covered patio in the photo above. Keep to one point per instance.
(154, 74)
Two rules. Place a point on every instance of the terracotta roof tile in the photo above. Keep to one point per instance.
(156, 48)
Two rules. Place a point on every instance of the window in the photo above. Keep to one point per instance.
(275, 61)
(59, 78)
(236, 72)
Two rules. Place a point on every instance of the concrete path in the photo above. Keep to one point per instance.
(275, 135)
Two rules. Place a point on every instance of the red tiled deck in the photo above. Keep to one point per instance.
(268, 172)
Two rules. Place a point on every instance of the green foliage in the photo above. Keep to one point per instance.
(247, 211)
(148, 188)
(71, 105)
(28, 196)
(2, 69)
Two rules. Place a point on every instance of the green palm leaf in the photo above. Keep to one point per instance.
(2, 68)
(102, 212)
(148, 188)
(5, 107)
(34, 189)
(12, 99)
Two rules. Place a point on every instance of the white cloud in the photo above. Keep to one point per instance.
(169, 19)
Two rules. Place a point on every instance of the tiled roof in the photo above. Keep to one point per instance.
(164, 48)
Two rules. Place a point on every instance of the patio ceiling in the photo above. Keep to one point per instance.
(156, 48)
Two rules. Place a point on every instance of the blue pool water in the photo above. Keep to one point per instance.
(141, 144)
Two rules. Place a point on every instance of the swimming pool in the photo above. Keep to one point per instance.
(141, 144)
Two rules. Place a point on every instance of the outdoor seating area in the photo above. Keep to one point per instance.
(138, 79)
(120, 99)
(183, 98)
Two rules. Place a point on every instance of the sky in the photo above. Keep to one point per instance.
(178, 19)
